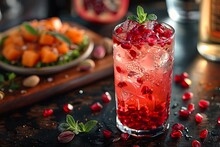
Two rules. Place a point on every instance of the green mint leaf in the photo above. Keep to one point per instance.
(63, 127)
(151, 17)
(90, 125)
(82, 127)
(30, 29)
(11, 76)
(140, 11)
(61, 37)
(3, 40)
(133, 18)
(2, 78)
(70, 120)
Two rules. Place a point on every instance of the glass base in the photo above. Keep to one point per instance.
(142, 133)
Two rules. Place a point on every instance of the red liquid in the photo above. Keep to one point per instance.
(143, 82)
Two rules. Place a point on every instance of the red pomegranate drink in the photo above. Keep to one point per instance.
(143, 64)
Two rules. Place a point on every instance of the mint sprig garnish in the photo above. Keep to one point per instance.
(60, 37)
(142, 17)
(75, 126)
(7, 81)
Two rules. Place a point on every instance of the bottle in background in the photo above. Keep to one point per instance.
(209, 31)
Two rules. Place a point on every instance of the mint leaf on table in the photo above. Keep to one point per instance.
(142, 17)
(11, 76)
(75, 126)
(2, 78)
(30, 29)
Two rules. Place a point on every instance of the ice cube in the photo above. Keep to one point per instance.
(128, 25)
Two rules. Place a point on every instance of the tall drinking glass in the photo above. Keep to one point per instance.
(143, 65)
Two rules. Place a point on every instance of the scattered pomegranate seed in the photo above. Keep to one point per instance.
(177, 78)
(218, 122)
(122, 84)
(185, 83)
(203, 104)
(184, 113)
(184, 75)
(187, 95)
(176, 134)
(125, 136)
(191, 107)
(177, 127)
(126, 45)
(136, 146)
(106, 97)
(198, 118)
(196, 143)
(68, 108)
(47, 112)
(96, 107)
(203, 134)
(107, 134)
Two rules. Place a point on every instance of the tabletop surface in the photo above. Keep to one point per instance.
(28, 127)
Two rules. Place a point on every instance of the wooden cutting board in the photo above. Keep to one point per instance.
(58, 83)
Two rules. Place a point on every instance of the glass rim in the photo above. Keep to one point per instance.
(126, 41)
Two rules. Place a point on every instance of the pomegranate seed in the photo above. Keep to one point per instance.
(96, 107)
(122, 84)
(119, 70)
(176, 134)
(178, 126)
(107, 133)
(177, 78)
(125, 136)
(167, 33)
(119, 30)
(187, 95)
(136, 146)
(106, 97)
(184, 113)
(126, 45)
(133, 53)
(184, 75)
(191, 107)
(196, 143)
(198, 117)
(67, 108)
(203, 134)
(185, 83)
(140, 80)
(146, 90)
(203, 104)
(151, 41)
(218, 122)
(47, 112)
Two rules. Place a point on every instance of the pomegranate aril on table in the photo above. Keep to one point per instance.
(185, 83)
(178, 126)
(191, 107)
(125, 136)
(184, 113)
(96, 107)
(106, 97)
(203, 104)
(176, 134)
(107, 134)
(198, 118)
(187, 95)
(47, 112)
(218, 121)
(196, 143)
(203, 134)
(68, 108)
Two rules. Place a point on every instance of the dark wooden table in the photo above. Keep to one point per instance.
(27, 126)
